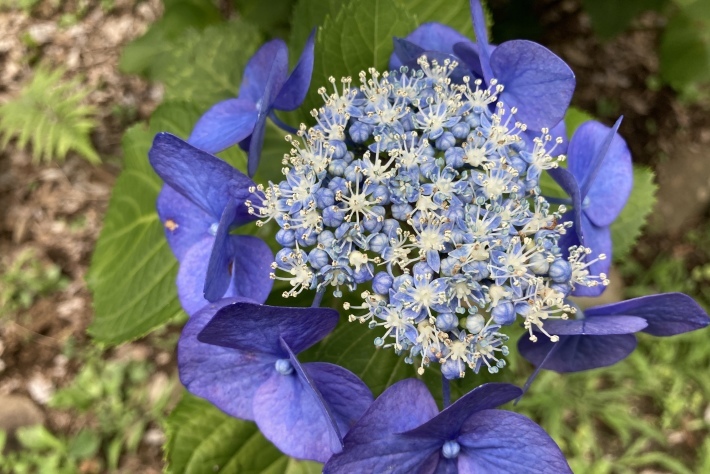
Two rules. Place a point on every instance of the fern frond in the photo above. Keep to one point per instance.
(51, 115)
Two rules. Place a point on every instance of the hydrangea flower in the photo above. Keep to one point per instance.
(603, 335)
(201, 203)
(241, 356)
(266, 86)
(537, 82)
(599, 179)
(411, 193)
(403, 432)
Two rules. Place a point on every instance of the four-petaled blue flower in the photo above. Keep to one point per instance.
(204, 198)
(599, 181)
(403, 432)
(536, 81)
(604, 335)
(265, 87)
(241, 356)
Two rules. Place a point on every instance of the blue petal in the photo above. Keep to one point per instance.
(184, 222)
(294, 90)
(274, 82)
(468, 52)
(266, 69)
(224, 125)
(447, 424)
(569, 184)
(192, 274)
(577, 353)
(601, 162)
(225, 377)
(255, 327)
(667, 314)
(202, 178)
(299, 418)
(220, 267)
(432, 37)
(372, 444)
(409, 54)
(252, 267)
(599, 240)
(346, 396)
(536, 81)
(289, 416)
(596, 325)
(484, 50)
(501, 441)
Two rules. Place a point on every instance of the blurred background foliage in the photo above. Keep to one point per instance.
(650, 413)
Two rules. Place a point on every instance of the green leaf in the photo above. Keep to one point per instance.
(309, 14)
(357, 38)
(271, 17)
(457, 14)
(685, 46)
(611, 17)
(202, 439)
(84, 445)
(38, 438)
(626, 229)
(147, 54)
(574, 118)
(206, 66)
(50, 114)
(132, 273)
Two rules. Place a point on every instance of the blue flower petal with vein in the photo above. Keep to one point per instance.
(537, 82)
(265, 87)
(403, 432)
(598, 180)
(603, 335)
(414, 195)
(202, 201)
(241, 356)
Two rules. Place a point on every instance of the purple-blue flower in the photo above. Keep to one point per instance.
(536, 81)
(599, 179)
(604, 335)
(403, 432)
(266, 86)
(203, 200)
(241, 356)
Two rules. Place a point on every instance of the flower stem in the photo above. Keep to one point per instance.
(445, 391)
(318, 298)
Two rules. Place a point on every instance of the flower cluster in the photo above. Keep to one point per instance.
(421, 196)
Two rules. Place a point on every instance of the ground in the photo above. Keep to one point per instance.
(52, 213)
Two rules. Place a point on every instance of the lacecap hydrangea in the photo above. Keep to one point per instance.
(420, 197)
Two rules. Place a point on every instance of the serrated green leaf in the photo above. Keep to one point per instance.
(456, 14)
(202, 439)
(207, 66)
(309, 14)
(146, 55)
(626, 229)
(357, 38)
(685, 46)
(132, 273)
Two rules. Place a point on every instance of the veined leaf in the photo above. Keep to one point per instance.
(357, 38)
(626, 229)
(132, 273)
(202, 439)
(207, 66)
